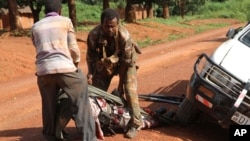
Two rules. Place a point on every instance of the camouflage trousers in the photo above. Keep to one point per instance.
(130, 92)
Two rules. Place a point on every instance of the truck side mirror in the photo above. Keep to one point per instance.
(230, 33)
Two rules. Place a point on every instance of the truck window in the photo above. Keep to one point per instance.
(245, 39)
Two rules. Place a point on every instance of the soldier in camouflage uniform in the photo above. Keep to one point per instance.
(110, 52)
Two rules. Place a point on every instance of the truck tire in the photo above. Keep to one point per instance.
(187, 113)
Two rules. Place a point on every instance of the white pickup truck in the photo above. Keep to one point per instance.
(219, 85)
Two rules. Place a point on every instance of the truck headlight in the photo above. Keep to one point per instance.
(219, 77)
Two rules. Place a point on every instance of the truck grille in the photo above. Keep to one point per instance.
(220, 79)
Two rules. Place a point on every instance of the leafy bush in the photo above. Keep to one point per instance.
(228, 9)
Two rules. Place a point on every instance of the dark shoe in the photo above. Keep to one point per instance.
(62, 139)
(64, 136)
(131, 133)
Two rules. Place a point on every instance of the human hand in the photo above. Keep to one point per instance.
(76, 64)
(128, 62)
(89, 79)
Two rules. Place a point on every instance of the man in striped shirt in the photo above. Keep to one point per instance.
(57, 58)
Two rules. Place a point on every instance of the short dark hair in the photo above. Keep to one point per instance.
(109, 14)
(52, 6)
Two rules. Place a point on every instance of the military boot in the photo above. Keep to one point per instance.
(131, 133)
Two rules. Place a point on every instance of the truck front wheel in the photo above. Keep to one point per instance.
(187, 113)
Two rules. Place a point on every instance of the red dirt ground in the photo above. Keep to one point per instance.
(164, 69)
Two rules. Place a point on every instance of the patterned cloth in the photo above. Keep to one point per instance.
(122, 46)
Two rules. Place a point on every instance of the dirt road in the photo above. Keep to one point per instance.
(164, 69)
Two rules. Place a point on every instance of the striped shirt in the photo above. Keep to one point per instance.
(56, 46)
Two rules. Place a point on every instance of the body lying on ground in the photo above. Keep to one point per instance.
(110, 112)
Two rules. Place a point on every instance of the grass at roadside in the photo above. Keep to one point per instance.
(210, 10)
(89, 15)
(182, 23)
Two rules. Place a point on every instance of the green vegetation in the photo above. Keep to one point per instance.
(229, 9)
(178, 21)
(236, 9)
(203, 28)
(89, 15)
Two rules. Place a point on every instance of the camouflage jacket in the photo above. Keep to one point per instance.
(96, 41)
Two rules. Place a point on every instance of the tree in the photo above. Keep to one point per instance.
(36, 7)
(128, 12)
(105, 4)
(14, 17)
(165, 10)
(149, 7)
(182, 7)
(72, 12)
(35, 11)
